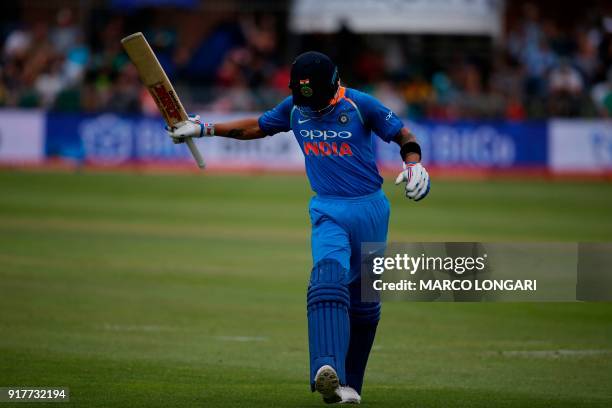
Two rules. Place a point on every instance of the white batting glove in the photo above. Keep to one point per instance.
(417, 181)
(192, 127)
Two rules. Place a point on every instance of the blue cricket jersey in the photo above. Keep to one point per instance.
(338, 147)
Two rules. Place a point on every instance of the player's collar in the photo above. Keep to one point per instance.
(340, 94)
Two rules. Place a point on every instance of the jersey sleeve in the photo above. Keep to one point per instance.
(382, 120)
(277, 119)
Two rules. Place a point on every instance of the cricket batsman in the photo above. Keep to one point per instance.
(334, 127)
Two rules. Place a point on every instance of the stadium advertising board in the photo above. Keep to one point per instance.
(21, 137)
(111, 139)
(475, 145)
(580, 145)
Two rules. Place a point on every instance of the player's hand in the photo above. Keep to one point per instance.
(417, 181)
(192, 127)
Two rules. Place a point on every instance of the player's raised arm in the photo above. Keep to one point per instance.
(242, 129)
(274, 121)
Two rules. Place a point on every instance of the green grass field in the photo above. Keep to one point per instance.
(189, 291)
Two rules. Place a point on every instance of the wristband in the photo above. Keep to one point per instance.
(410, 147)
(207, 129)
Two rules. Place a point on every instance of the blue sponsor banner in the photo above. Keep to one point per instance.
(110, 139)
(486, 145)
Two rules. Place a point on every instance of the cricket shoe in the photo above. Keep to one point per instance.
(349, 396)
(328, 385)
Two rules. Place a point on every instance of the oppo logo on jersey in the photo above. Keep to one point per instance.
(325, 134)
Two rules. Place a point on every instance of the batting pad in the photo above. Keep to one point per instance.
(364, 317)
(328, 318)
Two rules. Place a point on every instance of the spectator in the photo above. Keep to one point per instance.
(65, 35)
(386, 93)
(602, 96)
(565, 87)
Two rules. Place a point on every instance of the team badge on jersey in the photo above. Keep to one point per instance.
(343, 119)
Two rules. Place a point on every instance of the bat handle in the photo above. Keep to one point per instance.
(195, 153)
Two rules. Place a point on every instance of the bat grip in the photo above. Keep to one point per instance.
(195, 153)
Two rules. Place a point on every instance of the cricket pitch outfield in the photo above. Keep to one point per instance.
(185, 291)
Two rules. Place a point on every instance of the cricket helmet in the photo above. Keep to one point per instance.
(314, 80)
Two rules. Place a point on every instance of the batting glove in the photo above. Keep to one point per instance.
(417, 181)
(192, 127)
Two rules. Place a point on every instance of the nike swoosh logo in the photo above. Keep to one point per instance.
(300, 121)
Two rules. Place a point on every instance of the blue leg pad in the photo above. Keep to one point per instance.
(328, 318)
(364, 317)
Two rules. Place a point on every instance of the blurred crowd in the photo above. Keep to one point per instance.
(53, 66)
(538, 69)
(60, 66)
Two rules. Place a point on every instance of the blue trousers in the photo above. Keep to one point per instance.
(341, 327)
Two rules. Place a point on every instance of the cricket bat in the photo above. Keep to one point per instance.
(155, 79)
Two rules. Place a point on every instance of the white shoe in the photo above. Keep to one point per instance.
(349, 396)
(328, 385)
